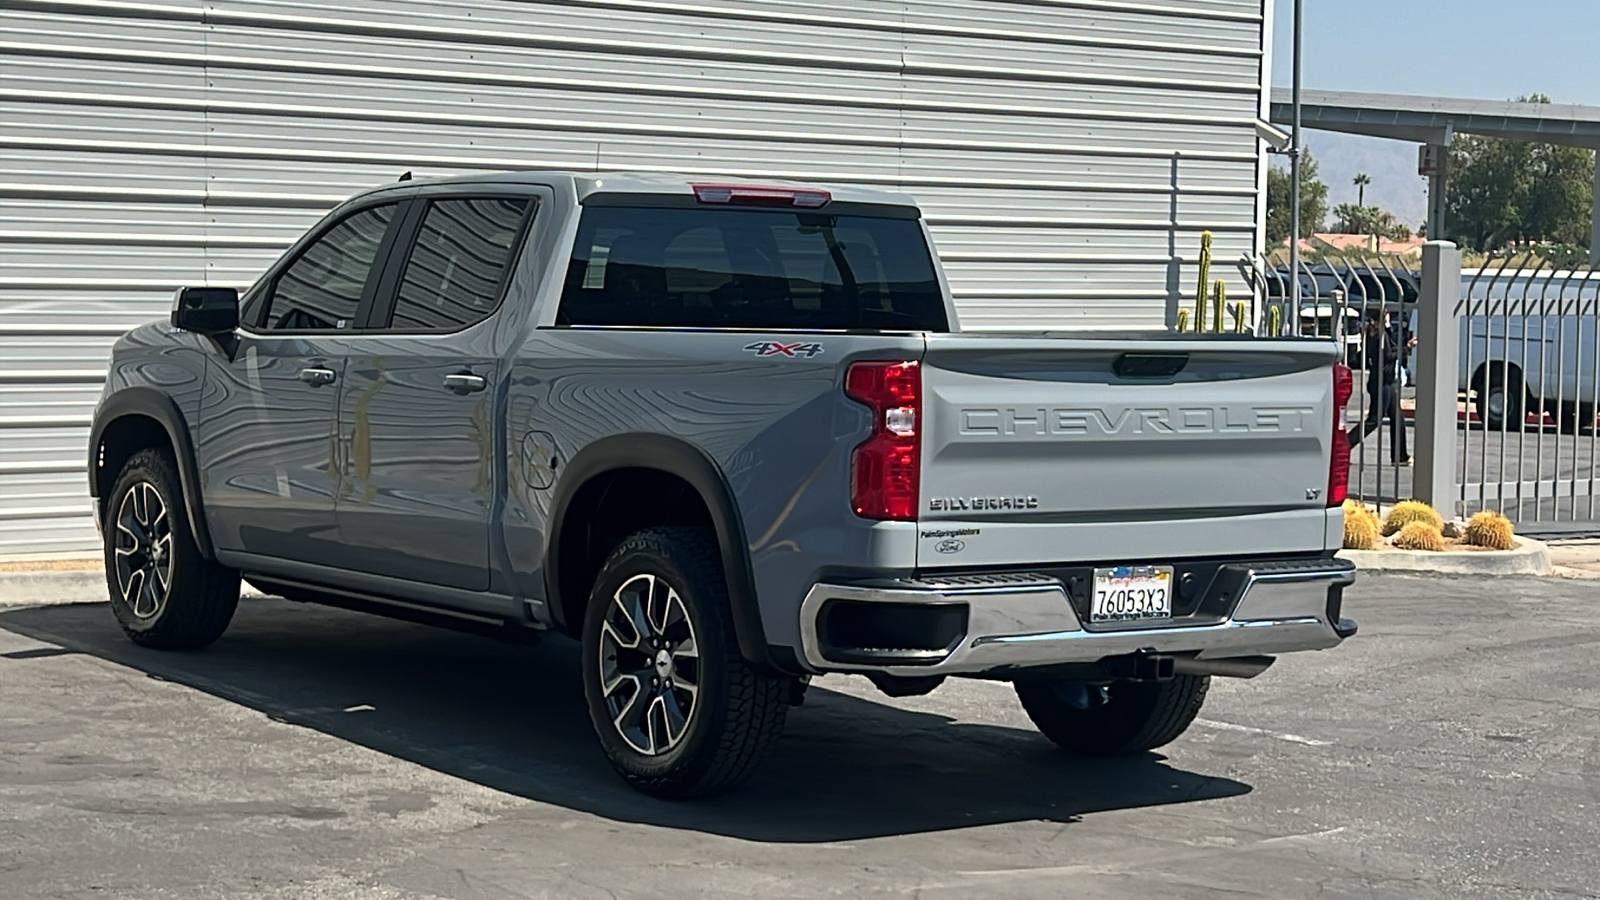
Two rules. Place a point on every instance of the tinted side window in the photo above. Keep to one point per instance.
(736, 268)
(322, 287)
(454, 274)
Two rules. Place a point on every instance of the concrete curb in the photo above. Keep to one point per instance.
(39, 587)
(1530, 557)
(58, 586)
(45, 586)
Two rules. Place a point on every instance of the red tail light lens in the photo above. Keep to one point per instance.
(1344, 386)
(886, 467)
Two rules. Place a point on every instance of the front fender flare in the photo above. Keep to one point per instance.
(152, 404)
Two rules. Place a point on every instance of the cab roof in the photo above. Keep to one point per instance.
(585, 184)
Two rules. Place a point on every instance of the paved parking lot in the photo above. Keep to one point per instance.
(1451, 750)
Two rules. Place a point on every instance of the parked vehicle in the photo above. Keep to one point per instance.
(1356, 292)
(1528, 344)
(730, 437)
(1335, 322)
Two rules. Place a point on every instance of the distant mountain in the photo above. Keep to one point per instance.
(1395, 186)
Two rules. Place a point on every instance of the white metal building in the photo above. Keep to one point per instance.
(1068, 153)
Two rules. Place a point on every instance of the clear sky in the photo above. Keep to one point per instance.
(1482, 49)
(1478, 49)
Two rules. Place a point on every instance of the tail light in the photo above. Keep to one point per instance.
(1344, 386)
(886, 468)
(761, 195)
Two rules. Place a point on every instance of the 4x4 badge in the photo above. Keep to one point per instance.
(775, 348)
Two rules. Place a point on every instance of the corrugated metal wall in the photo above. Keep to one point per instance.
(1068, 152)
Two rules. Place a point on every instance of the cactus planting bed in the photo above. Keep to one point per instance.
(1414, 537)
(1528, 557)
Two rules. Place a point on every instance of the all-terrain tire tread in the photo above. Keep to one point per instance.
(205, 594)
(1113, 731)
(757, 701)
(1177, 705)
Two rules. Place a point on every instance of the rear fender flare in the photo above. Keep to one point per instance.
(688, 462)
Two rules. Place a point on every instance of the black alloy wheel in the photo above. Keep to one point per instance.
(143, 550)
(164, 593)
(649, 664)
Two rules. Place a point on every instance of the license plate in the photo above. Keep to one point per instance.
(1131, 594)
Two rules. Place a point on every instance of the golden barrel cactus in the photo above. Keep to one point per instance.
(1419, 536)
(1407, 511)
(1488, 529)
(1361, 526)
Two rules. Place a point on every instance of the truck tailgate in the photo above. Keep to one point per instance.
(1043, 449)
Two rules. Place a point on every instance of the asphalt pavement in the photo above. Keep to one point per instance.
(1450, 750)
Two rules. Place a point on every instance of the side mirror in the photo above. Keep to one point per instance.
(206, 310)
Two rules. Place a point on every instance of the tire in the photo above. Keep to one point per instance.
(659, 610)
(1121, 718)
(1503, 402)
(164, 594)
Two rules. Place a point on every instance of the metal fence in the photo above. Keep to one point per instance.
(1366, 303)
(1528, 351)
(1517, 388)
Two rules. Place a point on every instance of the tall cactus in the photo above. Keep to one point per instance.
(1275, 322)
(1205, 282)
(1219, 300)
(1238, 317)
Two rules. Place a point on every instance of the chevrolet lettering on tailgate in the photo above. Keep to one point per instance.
(1001, 422)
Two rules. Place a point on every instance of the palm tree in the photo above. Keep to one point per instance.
(1361, 181)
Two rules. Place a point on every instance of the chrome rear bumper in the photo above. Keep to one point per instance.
(1019, 621)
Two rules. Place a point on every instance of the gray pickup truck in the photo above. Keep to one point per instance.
(730, 437)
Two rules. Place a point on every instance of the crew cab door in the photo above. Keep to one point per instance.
(418, 404)
(267, 435)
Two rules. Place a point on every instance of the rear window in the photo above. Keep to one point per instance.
(734, 268)
(452, 278)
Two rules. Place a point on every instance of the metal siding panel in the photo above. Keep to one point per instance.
(1067, 154)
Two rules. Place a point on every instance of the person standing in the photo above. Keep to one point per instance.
(1385, 351)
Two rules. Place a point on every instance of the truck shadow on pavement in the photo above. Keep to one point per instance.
(512, 718)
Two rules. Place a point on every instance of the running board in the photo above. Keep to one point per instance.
(389, 607)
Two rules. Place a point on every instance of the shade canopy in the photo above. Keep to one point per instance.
(1428, 120)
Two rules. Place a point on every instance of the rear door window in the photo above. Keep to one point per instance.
(456, 270)
(323, 287)
(750, 269)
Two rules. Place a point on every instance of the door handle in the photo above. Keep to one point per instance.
(464, 383)
(317, 376)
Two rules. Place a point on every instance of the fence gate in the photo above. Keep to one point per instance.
(1367, 304)
(1529, 351)
(1523, 379)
